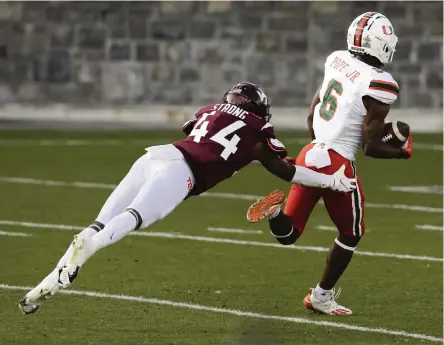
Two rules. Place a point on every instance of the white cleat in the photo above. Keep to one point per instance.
(329, 307)
(82, 249)
(37, 296)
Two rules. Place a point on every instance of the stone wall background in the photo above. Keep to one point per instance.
(95, 53)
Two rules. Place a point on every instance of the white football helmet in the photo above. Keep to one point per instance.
(372, 33)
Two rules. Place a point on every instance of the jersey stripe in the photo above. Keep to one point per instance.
(384, 86)
(360, 28)
(384, 82)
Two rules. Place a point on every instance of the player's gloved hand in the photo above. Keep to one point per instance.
(341, 183)
(407, 148)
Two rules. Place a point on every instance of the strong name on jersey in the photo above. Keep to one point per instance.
(222, 142)
(339, 116)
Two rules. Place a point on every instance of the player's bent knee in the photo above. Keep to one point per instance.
(136, 215)
(288, 238)
(347, 242)
(97, 226)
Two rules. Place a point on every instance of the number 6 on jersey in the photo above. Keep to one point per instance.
(330, 101)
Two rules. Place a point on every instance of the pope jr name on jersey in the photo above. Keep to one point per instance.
(338, 118)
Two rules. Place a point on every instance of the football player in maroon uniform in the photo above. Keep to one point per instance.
(222, 139)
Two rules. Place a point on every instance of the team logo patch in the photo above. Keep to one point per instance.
(190, 184)
(367, 41)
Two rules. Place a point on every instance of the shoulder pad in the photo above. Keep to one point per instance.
(277, 146)
(268, 130)
(329, 60)
(188, 126)
(206, 109)
(383, 88)
(337, 53)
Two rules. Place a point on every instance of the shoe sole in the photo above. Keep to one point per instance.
(22, 304)
(257, 211)
(308, 305)
(40, 298)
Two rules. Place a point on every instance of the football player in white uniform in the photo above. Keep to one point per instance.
(347, 112)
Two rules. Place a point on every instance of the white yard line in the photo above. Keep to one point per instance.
(151, 141)
(41, 225)
(332, 228)
(418, 189)
(254, 315)
(22, 180)
(419, 146)
(175, 235)
(80, 142)
(326, 228)
(14, 234)
(430, 147)
(230, 196)
(235, 230)
(429, 227)
(405, 207)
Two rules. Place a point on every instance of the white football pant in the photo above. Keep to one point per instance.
(156, 184)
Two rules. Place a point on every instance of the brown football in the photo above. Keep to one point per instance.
(395, 133)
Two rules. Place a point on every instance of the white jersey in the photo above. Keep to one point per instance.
(338, 118)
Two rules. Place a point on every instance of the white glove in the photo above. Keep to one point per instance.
(341, 183)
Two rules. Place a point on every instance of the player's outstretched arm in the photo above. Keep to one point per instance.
(301, 175)
(373, 130)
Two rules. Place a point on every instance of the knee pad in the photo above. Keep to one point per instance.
(96, 225)
(348, 243)
(287, 239)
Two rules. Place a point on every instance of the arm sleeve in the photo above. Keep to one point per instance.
(310, 178)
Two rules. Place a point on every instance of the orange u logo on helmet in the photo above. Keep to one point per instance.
(387, 30)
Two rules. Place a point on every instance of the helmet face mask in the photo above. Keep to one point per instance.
(372, 33)
(249, 97)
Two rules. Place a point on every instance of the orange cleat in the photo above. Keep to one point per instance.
(260, 209)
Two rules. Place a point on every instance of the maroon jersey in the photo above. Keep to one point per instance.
(221, 142)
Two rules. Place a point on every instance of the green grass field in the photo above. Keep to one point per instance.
(238, 275)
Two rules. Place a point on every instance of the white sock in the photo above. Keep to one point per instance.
(117, 228)
(321, 294)
(86, 232)
(273, 211)
(54, 275)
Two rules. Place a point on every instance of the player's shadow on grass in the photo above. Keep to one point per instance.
(259, 333)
